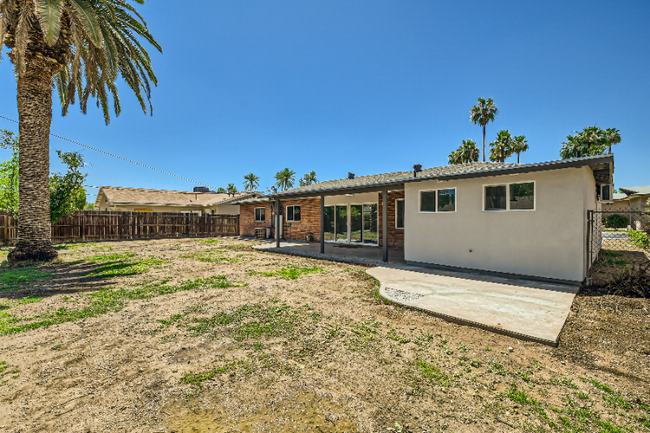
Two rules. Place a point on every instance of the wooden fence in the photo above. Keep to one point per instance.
(101, 225)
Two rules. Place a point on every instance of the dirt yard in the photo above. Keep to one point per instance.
(210, 335)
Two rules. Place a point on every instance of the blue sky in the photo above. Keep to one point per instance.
(366, 87)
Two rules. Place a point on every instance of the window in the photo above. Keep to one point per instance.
(399, 213)
(293, 213)
(447, 200)
(427, 201)
(191, 212)
(522, 195)
(260, 214)
(495, 197)
(512, 196)
(440, 200)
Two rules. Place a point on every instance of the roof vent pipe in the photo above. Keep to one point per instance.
(350, 175)
(416, 169)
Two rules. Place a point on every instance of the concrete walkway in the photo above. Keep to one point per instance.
(524, 309)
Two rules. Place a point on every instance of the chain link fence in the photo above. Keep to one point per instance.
(618, 240)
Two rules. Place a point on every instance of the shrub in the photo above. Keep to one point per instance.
(640, 239)
(616, 221)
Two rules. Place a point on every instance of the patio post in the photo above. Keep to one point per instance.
(322, 224)
(384, 222)
(278, 223)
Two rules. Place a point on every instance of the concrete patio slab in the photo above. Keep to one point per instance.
(524, 309)
(342, 252)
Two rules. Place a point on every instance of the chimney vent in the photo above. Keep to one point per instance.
(350, 175)
(416, 169)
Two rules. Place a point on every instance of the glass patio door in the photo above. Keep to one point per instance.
(341, 228)
(356, 222)
(329, 223)
(370, 224)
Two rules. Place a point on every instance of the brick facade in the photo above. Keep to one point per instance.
(395, 236)
(247, 224)
(310, 220)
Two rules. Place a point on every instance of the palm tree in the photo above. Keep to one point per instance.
(519, 145)
(501, 148)
(466, 152)
(80, 47)
(231, 189)
(285, 179)
(610, 137)
(589, 142)
(311, 178)
(251, 182)
(482, 114)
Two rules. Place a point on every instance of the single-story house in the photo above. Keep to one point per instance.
(628, 200)
(200, 201)
(523, 219)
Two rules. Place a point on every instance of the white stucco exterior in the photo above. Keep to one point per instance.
(548, 242)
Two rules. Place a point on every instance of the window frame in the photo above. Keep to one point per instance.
(403, 218)
(435, 190)
(255, 214)
(507, 185)
(293, 206)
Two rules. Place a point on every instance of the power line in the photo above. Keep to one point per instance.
(119, 157)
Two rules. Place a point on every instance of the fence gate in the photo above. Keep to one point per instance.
(615, 240)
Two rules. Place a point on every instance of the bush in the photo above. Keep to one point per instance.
(640, 239)
(616, 221)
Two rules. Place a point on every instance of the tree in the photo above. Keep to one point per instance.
(482, 114)
(501, 148)
(221, 190)
(590, 141)
(80, 47)
(251, 182)
(519, 145)
(308, 179)
(285, 179)
(231, 189)
(610, 137)
(67, 193)
(466, 152)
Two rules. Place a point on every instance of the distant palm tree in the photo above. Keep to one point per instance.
(81, 47)
(501, 148)
(610, 137)
(482, 114)
(590, 141)
(285, 179)
(519, 145)
(311, 178)
(251, 182)
(466, 152)
(221, 190)
(231, 189)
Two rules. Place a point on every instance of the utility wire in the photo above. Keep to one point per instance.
(119, 157)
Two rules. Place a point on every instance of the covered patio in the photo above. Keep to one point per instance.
(350, 253)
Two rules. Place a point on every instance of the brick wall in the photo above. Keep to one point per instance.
(395, 236)
(247, 224)
(309, 220)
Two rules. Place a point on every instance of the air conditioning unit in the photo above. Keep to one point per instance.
(607, 193)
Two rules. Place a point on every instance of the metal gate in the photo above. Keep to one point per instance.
(615, 240)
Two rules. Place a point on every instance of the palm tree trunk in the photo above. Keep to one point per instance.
(35, 111)
(518, 157)
(483, 143)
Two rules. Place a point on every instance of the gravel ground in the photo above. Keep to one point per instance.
(212, 335)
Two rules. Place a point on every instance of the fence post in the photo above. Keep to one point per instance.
(590, 247)
(6, 230)
(83, 226)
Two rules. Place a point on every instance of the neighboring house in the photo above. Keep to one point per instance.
(200, 201)
(629, 199)
(524, 219)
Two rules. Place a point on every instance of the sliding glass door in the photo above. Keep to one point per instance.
(341, 223)
(356, 222)
(329, 223)
(370, 224)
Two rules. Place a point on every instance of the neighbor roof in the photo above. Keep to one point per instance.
(160, 197)
(636, 190)
(601, 165)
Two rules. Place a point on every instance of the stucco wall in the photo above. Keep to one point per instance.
(548, 242)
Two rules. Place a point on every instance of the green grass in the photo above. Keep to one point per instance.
(290, 272)
(208, 241)
(14, 278)
(232, 368)
(105, 301)
(612, 254)
(114, 265)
